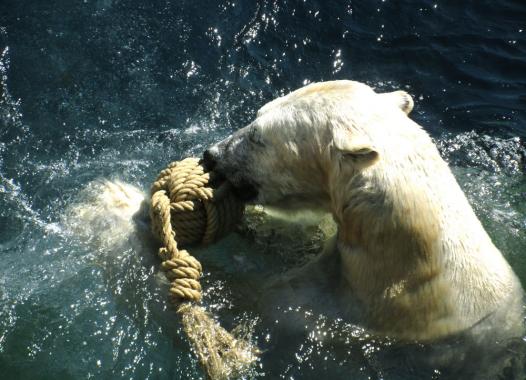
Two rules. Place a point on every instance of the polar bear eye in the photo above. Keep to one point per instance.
(254, 136)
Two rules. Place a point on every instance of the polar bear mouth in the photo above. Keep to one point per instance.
(245, 191)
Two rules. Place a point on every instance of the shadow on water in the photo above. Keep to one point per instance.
(118, 88)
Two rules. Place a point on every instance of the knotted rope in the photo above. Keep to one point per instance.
(185, 209)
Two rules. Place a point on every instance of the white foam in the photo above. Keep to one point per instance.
(104, 212)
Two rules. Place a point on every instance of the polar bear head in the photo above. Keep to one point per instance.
(287, 156)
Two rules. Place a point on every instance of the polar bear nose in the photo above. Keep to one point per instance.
(210, 158)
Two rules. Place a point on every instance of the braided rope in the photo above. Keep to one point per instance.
(185, 209)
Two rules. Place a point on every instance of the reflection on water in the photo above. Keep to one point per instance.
(118, 88)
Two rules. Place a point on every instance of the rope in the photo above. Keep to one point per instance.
(185, 209)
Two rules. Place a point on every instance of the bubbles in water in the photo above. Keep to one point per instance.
(486, 152)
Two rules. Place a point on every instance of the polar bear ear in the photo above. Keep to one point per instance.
(401, 99)
(359, 151)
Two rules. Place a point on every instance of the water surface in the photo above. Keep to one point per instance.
(115, 89)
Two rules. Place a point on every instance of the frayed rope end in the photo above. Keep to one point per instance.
(222, 355)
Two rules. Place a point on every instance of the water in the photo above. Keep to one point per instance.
(116, 89)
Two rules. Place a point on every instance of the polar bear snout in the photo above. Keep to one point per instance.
(210, 157)
(221, 158)
(228, 161)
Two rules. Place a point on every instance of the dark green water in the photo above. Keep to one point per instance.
(115, 89)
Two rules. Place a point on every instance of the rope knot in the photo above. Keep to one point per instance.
(186, 210)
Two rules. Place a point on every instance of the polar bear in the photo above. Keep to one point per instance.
(412, 253)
